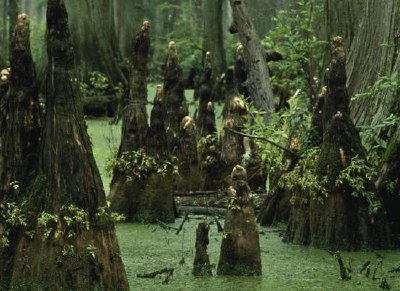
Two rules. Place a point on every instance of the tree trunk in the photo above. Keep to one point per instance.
(206, 117)
(13, 15)
(175, 107)
(69, 186)
(372, 30)
(214, 35)
(19, 136)
(257, 81)
(201, 265)
(125, 193)
(95, 39)
(340, 220)
(240, 247)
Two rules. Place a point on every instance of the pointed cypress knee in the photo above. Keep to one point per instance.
(240, 248)
(60, 255)
(201, 265)
(124, 192)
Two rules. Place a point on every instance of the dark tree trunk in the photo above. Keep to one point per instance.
(19, 135)
(13, 15)
(70, 180)
(189, 162)
(201, 265)
(134, 126)
(257, 83)
(206, 116)
(240, 248)
(157, 138)
(341, 220)
(175, 107)
(214, 35)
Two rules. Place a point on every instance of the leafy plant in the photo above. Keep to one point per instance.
(138, 165)
(97, 84)
(295, 36)
(359, 176)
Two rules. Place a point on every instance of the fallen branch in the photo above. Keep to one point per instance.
(203, 210)
(264, 139)
(169, 275)
(152, 275)
(183, 222)
(219, 226)
(165, 226)
(197, 193)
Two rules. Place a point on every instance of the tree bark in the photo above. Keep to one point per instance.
(201, 265)
(214, 35)
(257, 81)
(19, 136)
(70, 180)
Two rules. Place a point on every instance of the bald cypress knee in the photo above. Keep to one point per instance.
(124, 191)
(240, 248)
(69, 186)
(340, 218)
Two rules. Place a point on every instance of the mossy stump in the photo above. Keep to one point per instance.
(240, 248)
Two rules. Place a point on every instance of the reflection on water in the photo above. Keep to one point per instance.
(148, 248)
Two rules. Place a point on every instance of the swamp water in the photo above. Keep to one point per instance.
(148, 248)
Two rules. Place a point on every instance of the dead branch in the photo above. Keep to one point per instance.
(152, 275)
(165, 226)
(264, 139)
(183, 222)
(344, 275)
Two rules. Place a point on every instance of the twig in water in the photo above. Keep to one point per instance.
(165, 226)
(183, 222)
(344, 275)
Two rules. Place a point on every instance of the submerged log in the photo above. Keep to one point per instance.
(70, 183)
(201, 265)
(240, 248)
(341, 220)
(124, 193)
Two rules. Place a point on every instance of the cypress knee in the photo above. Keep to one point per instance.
(69, 185)
(201, 265)
(240, 248)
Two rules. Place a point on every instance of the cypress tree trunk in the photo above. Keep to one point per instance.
(213, 34)
(175, 107)
(240, 247)
(201, 265)
(19, 136)
(206, 116)
(134, 126)
(341, 220)
(70, 189)
(257, 82)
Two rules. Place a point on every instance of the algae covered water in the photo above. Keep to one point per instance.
(148, 248)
